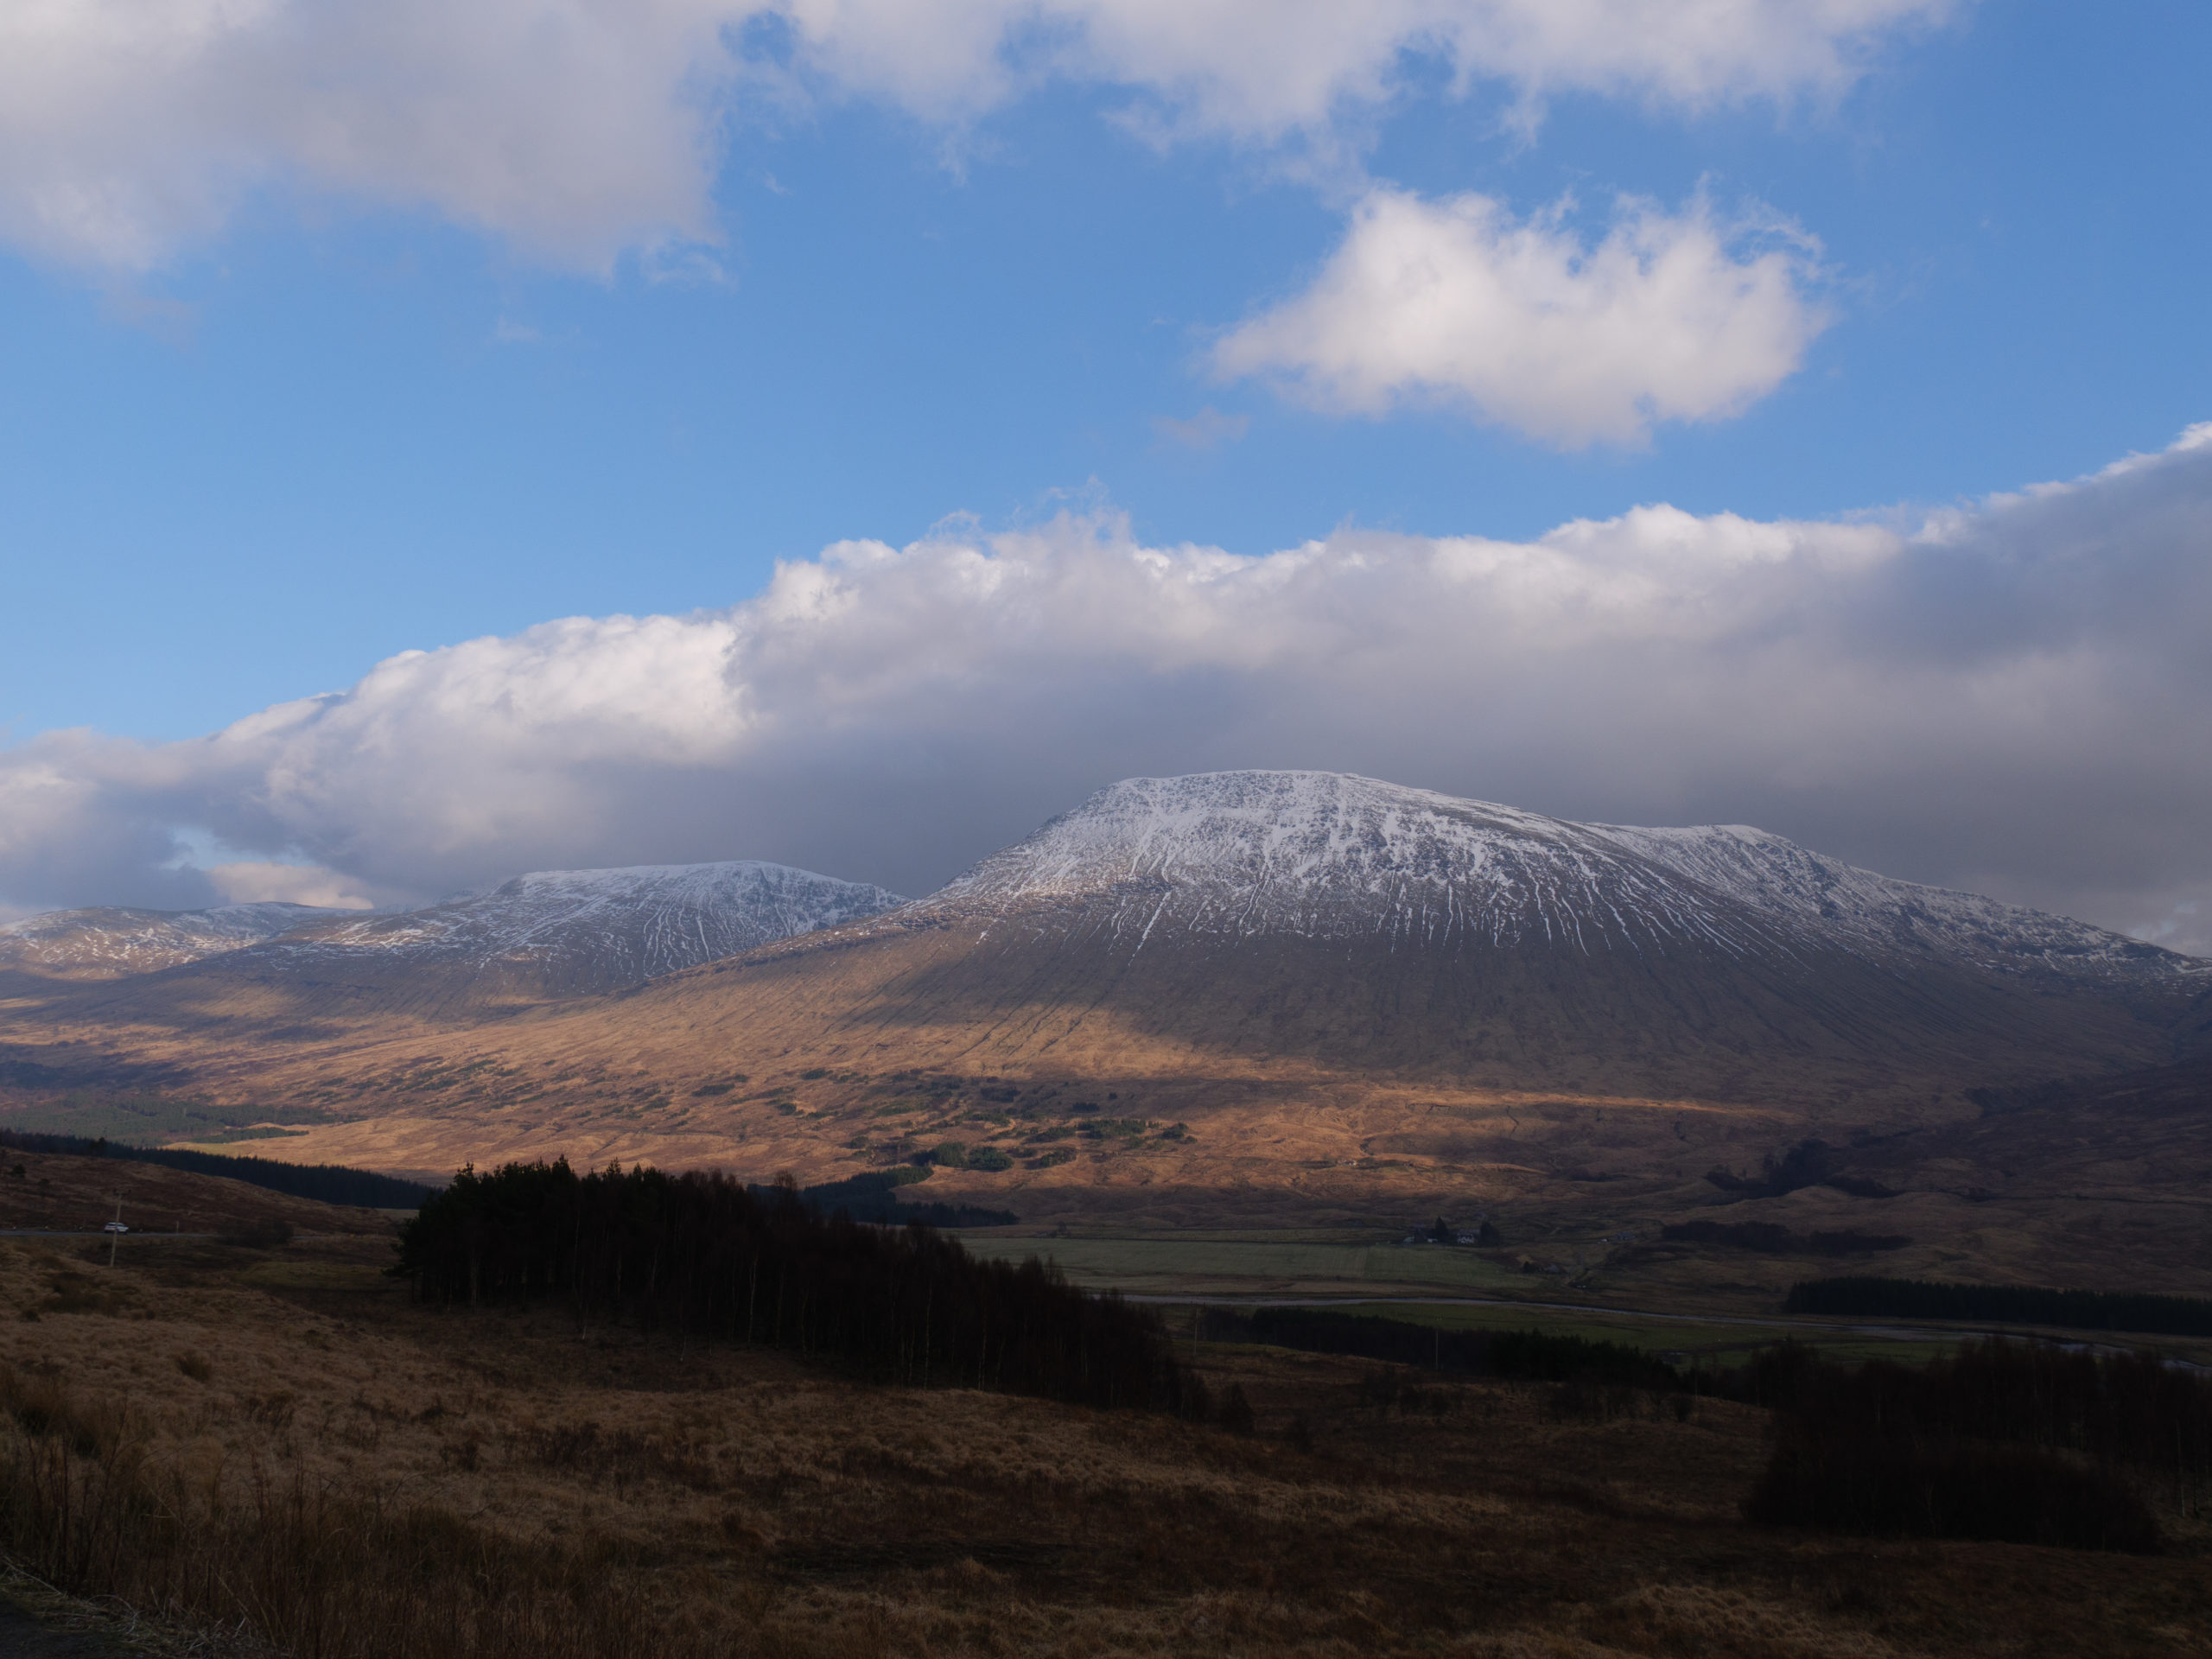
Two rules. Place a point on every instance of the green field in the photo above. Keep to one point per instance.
(1232, 1267)
(1713, 1342)
(1249, 1266)
(155, 1121)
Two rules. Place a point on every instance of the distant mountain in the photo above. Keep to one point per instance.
(1244, 856)
(1229, 984)
(550, 935)
(110, 942)
(575, 932)
(1321, 919)
(1267, 931)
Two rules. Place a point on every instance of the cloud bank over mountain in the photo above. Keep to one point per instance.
(2007, 697)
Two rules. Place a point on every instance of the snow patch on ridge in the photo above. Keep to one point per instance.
(109, 941)
(608, 927)
(1333, 856)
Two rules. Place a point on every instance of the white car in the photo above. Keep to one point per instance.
(115, 1227)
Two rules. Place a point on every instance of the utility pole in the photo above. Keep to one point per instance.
(115, 1233)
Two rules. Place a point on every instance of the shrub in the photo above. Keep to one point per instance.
(2128, 1408)
(990, 1158)
(1236, 1414)
(1947, 1487)
(952, 1154)
(2007, 1440)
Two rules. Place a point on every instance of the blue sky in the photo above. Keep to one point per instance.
(268, 418)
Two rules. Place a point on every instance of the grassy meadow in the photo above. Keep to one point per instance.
(275, 1441)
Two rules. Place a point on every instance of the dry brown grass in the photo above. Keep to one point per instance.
(72, 1194)
(409, 1474)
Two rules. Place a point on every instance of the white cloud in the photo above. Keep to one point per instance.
(1261, 69)
(260, 883)
(2009, 696)
(578, 129)
(572, 128)
(1523, 325)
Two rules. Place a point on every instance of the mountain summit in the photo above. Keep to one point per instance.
(1316, 919)
(1240, 855)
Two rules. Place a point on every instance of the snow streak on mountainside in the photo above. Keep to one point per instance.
(110, 942)
(587, 930)
(1326, 855)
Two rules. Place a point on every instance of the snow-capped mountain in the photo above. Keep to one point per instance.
(573, 932)
(1324, 855)
(109, 943)
(543, 938)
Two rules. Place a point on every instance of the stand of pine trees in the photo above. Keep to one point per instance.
(2021, 1441)
(700, 1257)
(2079, 1310)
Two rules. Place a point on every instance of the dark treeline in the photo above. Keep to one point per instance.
(701, 1257)
(326, 1182)
(1809, 1163)
(2079, 1310)
(1772, 1238)
(1535, 1355)
(2014, 1441)
(874, 1196)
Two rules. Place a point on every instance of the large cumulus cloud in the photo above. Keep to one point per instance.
(578, 129)
(2008, 696)
(1669, 317)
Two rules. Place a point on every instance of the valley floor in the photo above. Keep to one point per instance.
(357, 1474)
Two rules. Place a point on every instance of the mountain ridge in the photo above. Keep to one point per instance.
(1477, 868)
(1326, 984)
(111, 941)
(540, 937)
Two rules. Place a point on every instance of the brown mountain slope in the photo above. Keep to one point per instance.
(1333, 1072)
(1345, 993)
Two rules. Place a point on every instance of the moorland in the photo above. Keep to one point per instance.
(282, 1440)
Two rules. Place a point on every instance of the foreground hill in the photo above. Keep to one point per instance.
(59, 1192)
(328, 1467)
